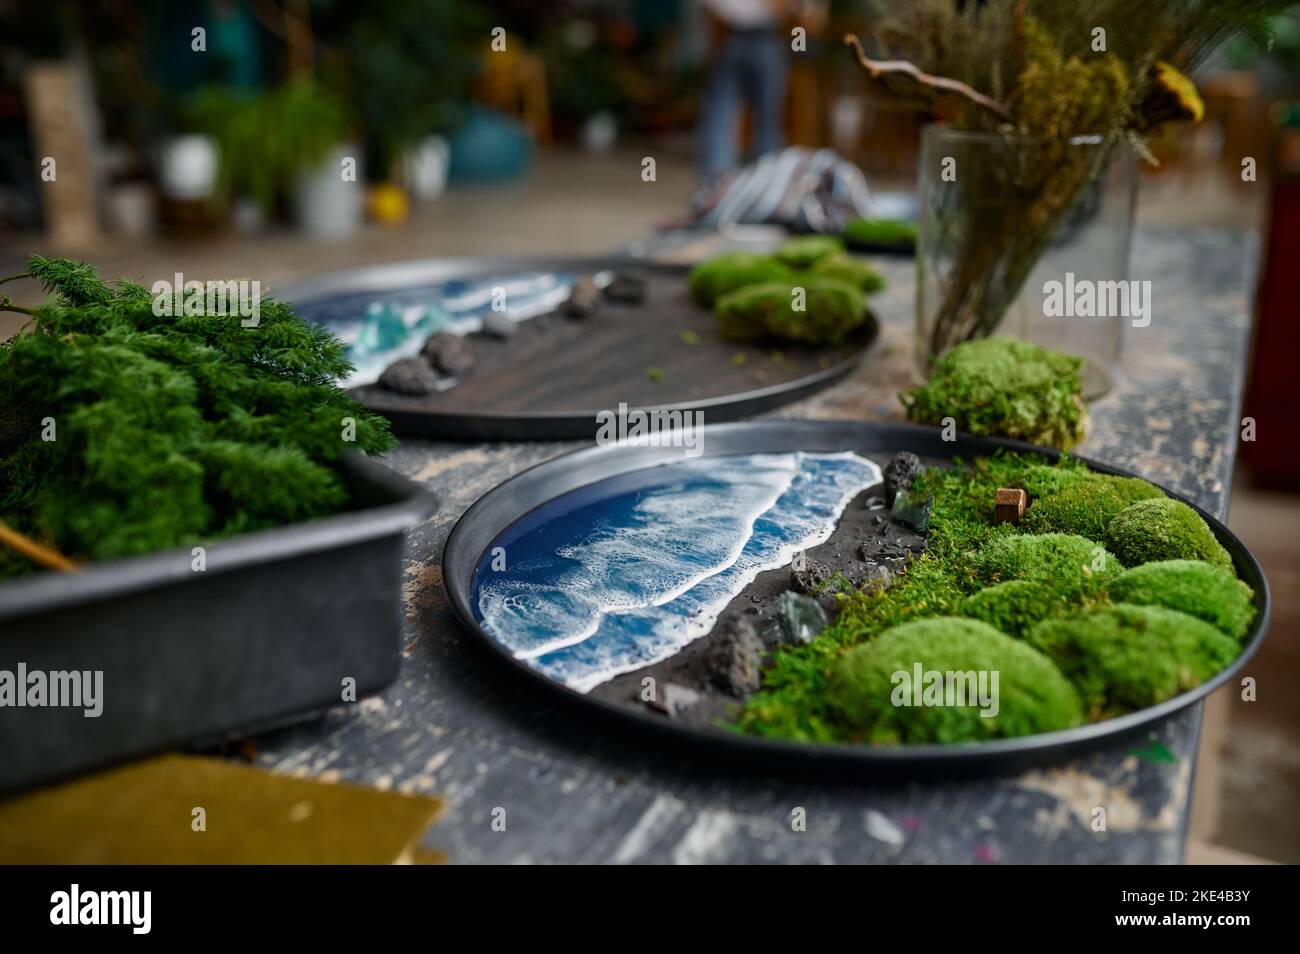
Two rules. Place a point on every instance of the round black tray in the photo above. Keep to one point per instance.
(622, 366)
(476, 530)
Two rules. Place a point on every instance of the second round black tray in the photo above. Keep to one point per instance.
(555, 375)
(497, 510)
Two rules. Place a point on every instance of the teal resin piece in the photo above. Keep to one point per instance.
(911, 512)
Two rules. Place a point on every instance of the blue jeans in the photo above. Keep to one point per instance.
(750, 70)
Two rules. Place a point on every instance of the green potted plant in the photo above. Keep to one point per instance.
(286, 148)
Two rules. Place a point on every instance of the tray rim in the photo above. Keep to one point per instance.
(975, 756)
(543, 425)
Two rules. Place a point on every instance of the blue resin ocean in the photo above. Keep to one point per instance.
(626, 572)
(377, 328)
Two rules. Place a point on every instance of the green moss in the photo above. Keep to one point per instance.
(1198, 589)
(851, 269)
(1043, 479)
(717, 276)
(808, 250)
(1123, 657)
(171, 429)
(965, 570)
(1004, 387)
(1068, 565)
(832, 309)
(1164, 529)
(1031, 693)
(792, 703)
(880, 233)
(1086, 507)
(1013, 607)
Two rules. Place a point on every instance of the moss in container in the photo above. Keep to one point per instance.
(808, 250)
(1063, 594)
(1164, 529)
(1069, 566)
(1044, 479)
(1199, 589)
(717, 276)
(832, 310)
(1086, 507)
(1003, 387)
(1032, 694)
(1013, 607)
(170, 429)
(1123, 657)
(852, 269)
(881, 233)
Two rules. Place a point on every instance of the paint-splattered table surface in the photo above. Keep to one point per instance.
(459, 724)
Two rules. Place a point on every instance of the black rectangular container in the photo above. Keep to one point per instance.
(268, 632)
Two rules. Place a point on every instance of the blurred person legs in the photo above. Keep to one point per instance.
(750, 70)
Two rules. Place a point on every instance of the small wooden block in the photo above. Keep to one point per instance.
(1009, 505)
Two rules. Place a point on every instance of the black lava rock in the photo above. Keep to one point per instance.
(448, 353)
(626, 288)
(497, 325)
(672, 699)
(900, 472)
(584, 298)
(808, 575)
(409, 376)
(735, 659)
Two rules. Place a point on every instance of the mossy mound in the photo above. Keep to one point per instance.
(1044, 479)
(1209, 593)
(1124, 657)
(1004, 387)
(1165, 529)
(1069, 566)
(882, 233)
(722, 274)
(808, 250)
(1013, 607)
(851, 269)
(1086, 507)
(832, 309)
(1031, 693)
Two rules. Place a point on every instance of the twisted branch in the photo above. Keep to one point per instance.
(944, 84)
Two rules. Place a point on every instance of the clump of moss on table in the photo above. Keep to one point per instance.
(851, 270)
(808, 291)
(717, 276)
(881, 233)
(807, 251)
(1003, 387)
(830, 311)
(1064, 596)
(167, 430)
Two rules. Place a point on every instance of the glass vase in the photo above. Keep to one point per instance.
(1002, 222)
